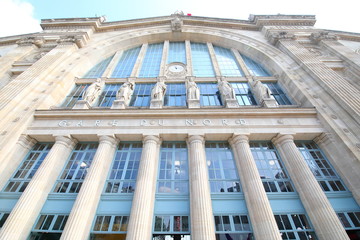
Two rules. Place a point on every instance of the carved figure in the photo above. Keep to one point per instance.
(125, 91)
(261, 90)
(158, 91)
(193, 91)
(93, 91)
(226, 89)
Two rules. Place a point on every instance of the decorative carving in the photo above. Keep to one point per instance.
(177, 23)
(315, 51)
(93, 91)
(28, 41)
(70, 39)
(276, 37)
(176, 70)
(324, 35)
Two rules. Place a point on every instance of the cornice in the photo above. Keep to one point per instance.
(283, 20)
(175, 113)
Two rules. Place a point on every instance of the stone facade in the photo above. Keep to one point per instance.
(318, 70)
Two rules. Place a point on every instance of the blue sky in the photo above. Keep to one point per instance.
(23, 16)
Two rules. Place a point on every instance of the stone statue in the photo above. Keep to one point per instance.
(261, 90)
(93, 91)
(193, 91)
(158, 91)
(226, 89)
(125, 92)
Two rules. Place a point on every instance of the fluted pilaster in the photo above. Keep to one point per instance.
(84, 209)
(9, 164)
(260, 212)
(202, 219)
(142, 209)
(28, 207)
(325, 221)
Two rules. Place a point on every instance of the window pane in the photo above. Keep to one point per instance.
(98, 70)
(126, 63)
(201, 61)
(255, 68)
(151, 62)
(177, 52)
(227, 62)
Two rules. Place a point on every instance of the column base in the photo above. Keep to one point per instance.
(156, 104)
(269, 103)
(193, 103)
(118, 104)
(231, 103)
(82, 104)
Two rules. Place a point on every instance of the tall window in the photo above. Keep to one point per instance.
(227, 62)
(75, 95)
(270, 167)
(22, 176)
(201, 61)
(255, 68)
(49, 227)
(177, 52)
(126, 63)
(295, 226)
(151, 62)
(232, 227)
(108, 96)
(175, 95)
(173, 172)
(98, 70)
(110, 224)
(222, 170)
(171, 224)
(142, 95)
(351, 223)
(209, 94)
(320, 167)
(3, 217)
(278, 94)
(73, 175)
(123, 173)
(243, 94)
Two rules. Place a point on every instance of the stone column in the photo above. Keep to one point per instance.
(9, 164)
(164, 58)
(83, 212)
(137, 66)
(323, 217)
(112, 65)
(201, 214)
(189, 70)
(27, 209)
(142, 209)
(260, 212)
(214, 60)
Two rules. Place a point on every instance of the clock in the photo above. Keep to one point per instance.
(176, 68)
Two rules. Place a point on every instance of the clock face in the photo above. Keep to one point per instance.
(176, 68)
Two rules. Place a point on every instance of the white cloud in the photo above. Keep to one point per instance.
(17, 18)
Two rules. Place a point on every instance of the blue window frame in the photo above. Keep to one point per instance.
(232, 227)
(110, 224)
(201, 61)
(172, 224)
(175, 95)
(173, 171)
(152, 60)
(74, 173)
(126, 63)
(351, 223)
(27, 169)
(123, 173)
(320, 167)
(243, 93)
(48, 227)
(209, 94)
(295, 226)
(223, 174)
(74, 96)
(98, 70)
(227, 62)
(142, 95)
(108, 96)
(278, 93)
(255, 68)
(177, 52)
(3, 217)
(270, 167)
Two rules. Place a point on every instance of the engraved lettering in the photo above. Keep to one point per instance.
(97, 123)
(161, 122)
(63, 123)
(206, 122)
(80, 124)
(143, 122)
(190, 122)
(114, 123)
(225, 122)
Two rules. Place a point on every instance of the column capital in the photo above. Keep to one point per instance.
(66, 140)
(110, 139)
(26, 141)
(195, 138)
(149, 138)
(323, 35)
(282, 138)
(274, 38)
(239, 138)
(29, 41)
(323, 138)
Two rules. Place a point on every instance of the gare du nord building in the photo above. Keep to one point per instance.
(180, 127)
